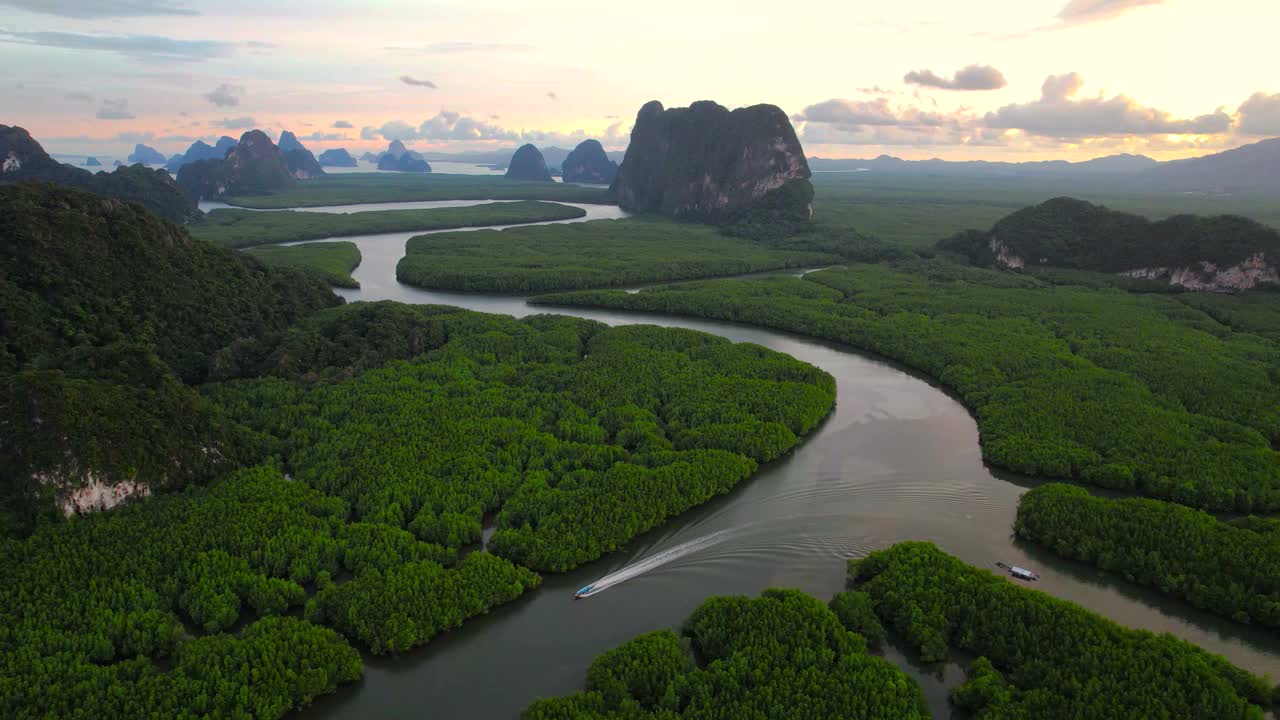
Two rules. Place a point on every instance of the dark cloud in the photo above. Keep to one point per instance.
(1078, 12)
(114, 110)
(78, 96)
(1058, 115)
(150, 46)
(973, 77)
(92, 9)
(407, 80)
(238, 123)
(1260, 115)
(552, 96)
(225, 95)
(442, 48)
(342, 124)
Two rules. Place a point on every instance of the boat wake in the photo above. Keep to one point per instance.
(652, 562)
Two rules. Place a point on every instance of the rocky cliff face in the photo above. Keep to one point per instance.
(302, 164)
(252, 167)
(146, 155)
(200, 150)
(705, 162)
(337, 158)
(23, 160)
(288, 142)
(402, 159)
(1206, 276)
(528, 164)
(588, 163)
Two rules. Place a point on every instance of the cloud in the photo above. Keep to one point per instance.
(874, 90)
(149, 46)
(1260, 115)
(873, 113)
(78, 96)
(552, 96)
(225, 95)
(1079, 12)
(414, 81)
(442, 48)
(456, 127)
(972, 77)
(323, 137)
(342, 124)
(238, 123)
(114, 110)
(134, 138)
(93, 9)
(1057, 114)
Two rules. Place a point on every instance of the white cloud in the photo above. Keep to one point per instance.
(225, 95)
(147, 46)
(114, 109)
(1260, 115)
(91, 9)
(237, 123)
(1058, 114)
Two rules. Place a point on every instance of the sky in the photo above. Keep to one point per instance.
(956, 79)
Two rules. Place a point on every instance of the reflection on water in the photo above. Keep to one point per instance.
(897, 460)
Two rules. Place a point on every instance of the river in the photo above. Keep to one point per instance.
(898, 459)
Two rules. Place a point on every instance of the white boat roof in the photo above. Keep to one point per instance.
(1022, 571)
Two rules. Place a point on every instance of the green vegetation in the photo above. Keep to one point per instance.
(780, 656)
(329, 262)
(107, 309)
(1133, 392)
(590, 254)
(1065, 232)
(1255, 312)
(352, 188)
(1044, 658)
(578, 436)
(914, 212)
(1227, 569)
(88, 606)
(243, 228)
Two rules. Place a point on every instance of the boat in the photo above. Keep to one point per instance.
(583, 592)
(1019, 573)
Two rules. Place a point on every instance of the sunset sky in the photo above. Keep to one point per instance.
(976, 79)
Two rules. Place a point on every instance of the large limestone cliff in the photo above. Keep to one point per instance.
(253, 166)
(706, 162)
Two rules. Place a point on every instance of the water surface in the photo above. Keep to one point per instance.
(898, 459)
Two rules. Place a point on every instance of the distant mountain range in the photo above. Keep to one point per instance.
(1250, 168)
(499, 159)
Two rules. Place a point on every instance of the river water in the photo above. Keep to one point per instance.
(897, 460)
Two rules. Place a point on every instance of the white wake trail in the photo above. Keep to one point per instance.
(643, 566)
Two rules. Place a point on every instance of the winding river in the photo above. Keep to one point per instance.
(898, 459)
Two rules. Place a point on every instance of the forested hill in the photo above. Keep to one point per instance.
(107, 310)
(22, 159)
(1199, 252)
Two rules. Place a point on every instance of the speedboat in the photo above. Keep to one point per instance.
(583, 592)
(1019, 573)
